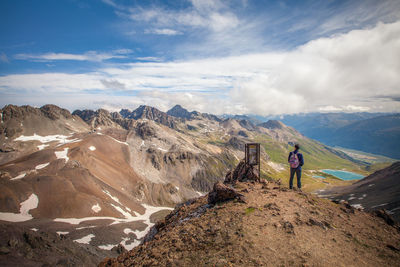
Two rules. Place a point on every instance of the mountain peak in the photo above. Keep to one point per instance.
(151, 113)
(180, 112)
(54, 112)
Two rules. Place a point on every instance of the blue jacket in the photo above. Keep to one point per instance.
(299, 156)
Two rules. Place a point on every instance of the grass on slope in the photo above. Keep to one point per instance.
(316, 156)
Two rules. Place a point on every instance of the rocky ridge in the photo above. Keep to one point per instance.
(247, 225)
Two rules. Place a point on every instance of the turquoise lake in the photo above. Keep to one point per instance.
(344, 175)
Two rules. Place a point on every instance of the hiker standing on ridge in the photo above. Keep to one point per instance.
(295, 160)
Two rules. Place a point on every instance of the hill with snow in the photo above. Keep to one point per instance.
(104, 178)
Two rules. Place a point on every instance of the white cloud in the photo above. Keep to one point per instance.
(348, 108)
(154, 59)
(51, 82)
(162, 31)
(202, 14)
(348, 72)
(88, 56)
(359, 13)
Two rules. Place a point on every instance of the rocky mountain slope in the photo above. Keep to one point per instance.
(21, 246)
(258, 224)
(18, 122)
(380, 190)
(107, 177)
(179, 112)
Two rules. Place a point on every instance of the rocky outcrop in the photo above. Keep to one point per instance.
(53, 112)
(242, 173)
(221, 193)
(179, 112)
(18, 113)
(237, 143)
(211, 117)
(150, 113)
(145, 130)
(86, 115)
(99, 118)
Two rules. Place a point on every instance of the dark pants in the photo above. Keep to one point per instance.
(298, 175)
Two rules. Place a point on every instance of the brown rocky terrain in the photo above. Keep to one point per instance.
(99, 118)
(27, 121)
(104, 178)
(268, 225)
(21, 246)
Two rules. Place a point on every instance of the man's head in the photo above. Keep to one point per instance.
(296, 146)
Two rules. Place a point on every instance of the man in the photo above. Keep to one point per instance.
(295, 160)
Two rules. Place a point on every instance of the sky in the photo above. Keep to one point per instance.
(221, 57)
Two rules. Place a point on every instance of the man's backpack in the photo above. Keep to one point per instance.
(294, 160)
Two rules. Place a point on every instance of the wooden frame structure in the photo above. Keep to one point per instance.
(252, 156)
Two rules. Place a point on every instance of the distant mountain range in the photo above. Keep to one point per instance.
(377, 133)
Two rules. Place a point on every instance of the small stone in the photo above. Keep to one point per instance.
(4, 250)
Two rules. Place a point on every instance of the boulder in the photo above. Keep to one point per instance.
(221, 193)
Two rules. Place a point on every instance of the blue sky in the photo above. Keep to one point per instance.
(240, 56)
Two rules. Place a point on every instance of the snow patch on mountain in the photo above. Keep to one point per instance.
(31, 203)
(43, 139)
(119, 209)
(41, 147)
(85, 239)
(96, 208)
(127, 231)
(92, 148)
(145, 218)
(106, 247)
(62, 154)
(131, 245)
(124, 143)
(357, 206)
(62, 232)
(22, 175)
(41, 166)
(112, 197)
